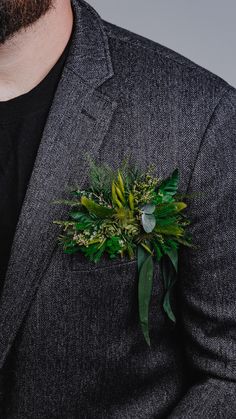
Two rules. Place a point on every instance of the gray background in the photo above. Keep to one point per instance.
(202, 30)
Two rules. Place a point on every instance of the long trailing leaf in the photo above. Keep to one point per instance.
(144, 293)
(173, 255)
(167, 306)
(169, 276)
(141, 256)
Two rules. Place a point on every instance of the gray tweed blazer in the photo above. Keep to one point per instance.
(70, 342)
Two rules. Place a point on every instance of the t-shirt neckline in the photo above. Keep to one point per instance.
(37, 98)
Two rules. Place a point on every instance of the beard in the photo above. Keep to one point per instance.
(19, 14)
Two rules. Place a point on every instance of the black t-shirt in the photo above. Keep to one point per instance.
(22, 120)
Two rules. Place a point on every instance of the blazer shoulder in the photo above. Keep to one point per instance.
(182, 68)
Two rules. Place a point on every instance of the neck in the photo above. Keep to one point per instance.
(26, 58)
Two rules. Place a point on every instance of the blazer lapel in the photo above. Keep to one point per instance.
(77, 123)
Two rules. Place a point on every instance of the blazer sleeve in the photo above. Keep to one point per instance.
(207, 276)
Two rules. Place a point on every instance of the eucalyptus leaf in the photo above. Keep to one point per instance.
(144, 295)
(148, 222)
(148, 208)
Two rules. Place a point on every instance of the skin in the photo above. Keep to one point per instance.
(33, 35)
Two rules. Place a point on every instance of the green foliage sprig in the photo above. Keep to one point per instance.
(126, 212)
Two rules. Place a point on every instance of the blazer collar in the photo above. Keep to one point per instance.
(77, 123)
(89, 54)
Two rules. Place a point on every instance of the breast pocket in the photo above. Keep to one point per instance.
(79, 262)
(121, 272)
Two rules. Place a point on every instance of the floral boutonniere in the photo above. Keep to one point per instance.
(126, 212)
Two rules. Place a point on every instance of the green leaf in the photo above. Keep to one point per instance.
(141, 256)
(169, 277)
(180, 206)
(169, 186)
(148, 222)
(187, 242)
(173, 230)
(167, 306)
(77, 215)
(144, 294)
(96, 209)
(148, 208)
(82, 219)
(162, 222)
(71, 250)
(165, 209)
(94, 251)
(113, 246)
(158, 250)
(101, 176)
(173, 255)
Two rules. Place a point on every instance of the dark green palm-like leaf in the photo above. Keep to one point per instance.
(173, 230)
(94, 251)
(77, 215)
(166, 209)
(169, 186)
(158, 250)
(144, 294)
(166, 221)
(81, 216)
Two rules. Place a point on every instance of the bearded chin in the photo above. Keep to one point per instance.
(19, 14)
